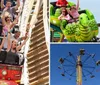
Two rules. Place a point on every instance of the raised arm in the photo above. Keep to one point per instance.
(77, 6)
(14, 22)
(24, 37)
(68, 10)
(2, 4)
(3, 19)
(18, 4)
(20, 46)
(9, 40)
(3, 41)
(59, 18)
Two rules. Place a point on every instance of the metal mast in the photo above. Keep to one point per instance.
(78, 66)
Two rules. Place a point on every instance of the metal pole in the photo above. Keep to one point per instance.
(79, 71)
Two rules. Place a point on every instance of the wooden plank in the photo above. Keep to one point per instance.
(45, 52)
(39, 35)
(39, 21)
(40, 46)
(36, 62)
(40, 81)
(38, 72)
(41, 11)
(38, 77)
(37, 31)
(37, 26)
(37, 46)
(40, 69)
(37, 42)
(35, 35)
(45, 63)
(40, 17)
(36, 67)
(36, 51)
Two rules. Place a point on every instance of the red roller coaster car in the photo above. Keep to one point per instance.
(10, 74)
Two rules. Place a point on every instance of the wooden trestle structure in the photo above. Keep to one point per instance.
(38, 55)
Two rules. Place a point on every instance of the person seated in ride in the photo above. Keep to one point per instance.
(65, 16)
(12, 50)
(15, 36)
(8, 8)
(61, 3)
(7, 23)
(73, 11)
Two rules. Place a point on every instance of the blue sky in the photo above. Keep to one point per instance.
(92, 5)
(61, 50)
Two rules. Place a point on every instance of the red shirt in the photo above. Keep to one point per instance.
(61, 3)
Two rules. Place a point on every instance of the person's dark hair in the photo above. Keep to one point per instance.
(6, 18)
(64, 10)
(17, 31)
(8, 1)
(16, 13)
(73, 7)
(16, 44)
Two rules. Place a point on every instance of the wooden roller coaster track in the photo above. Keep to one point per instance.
(38, 56)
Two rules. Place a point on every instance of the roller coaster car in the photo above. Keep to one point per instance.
(10, 74)
(84, 30)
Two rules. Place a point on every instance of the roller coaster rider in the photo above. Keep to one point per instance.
(12, 50)
(8, 8)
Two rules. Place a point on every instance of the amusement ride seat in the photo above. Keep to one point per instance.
(3, 55)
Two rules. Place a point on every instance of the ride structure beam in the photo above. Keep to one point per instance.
(79, 71)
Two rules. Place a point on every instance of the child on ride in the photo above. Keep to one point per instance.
(7, 23)
(61, 3)
(65, 16)
(74, 11)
